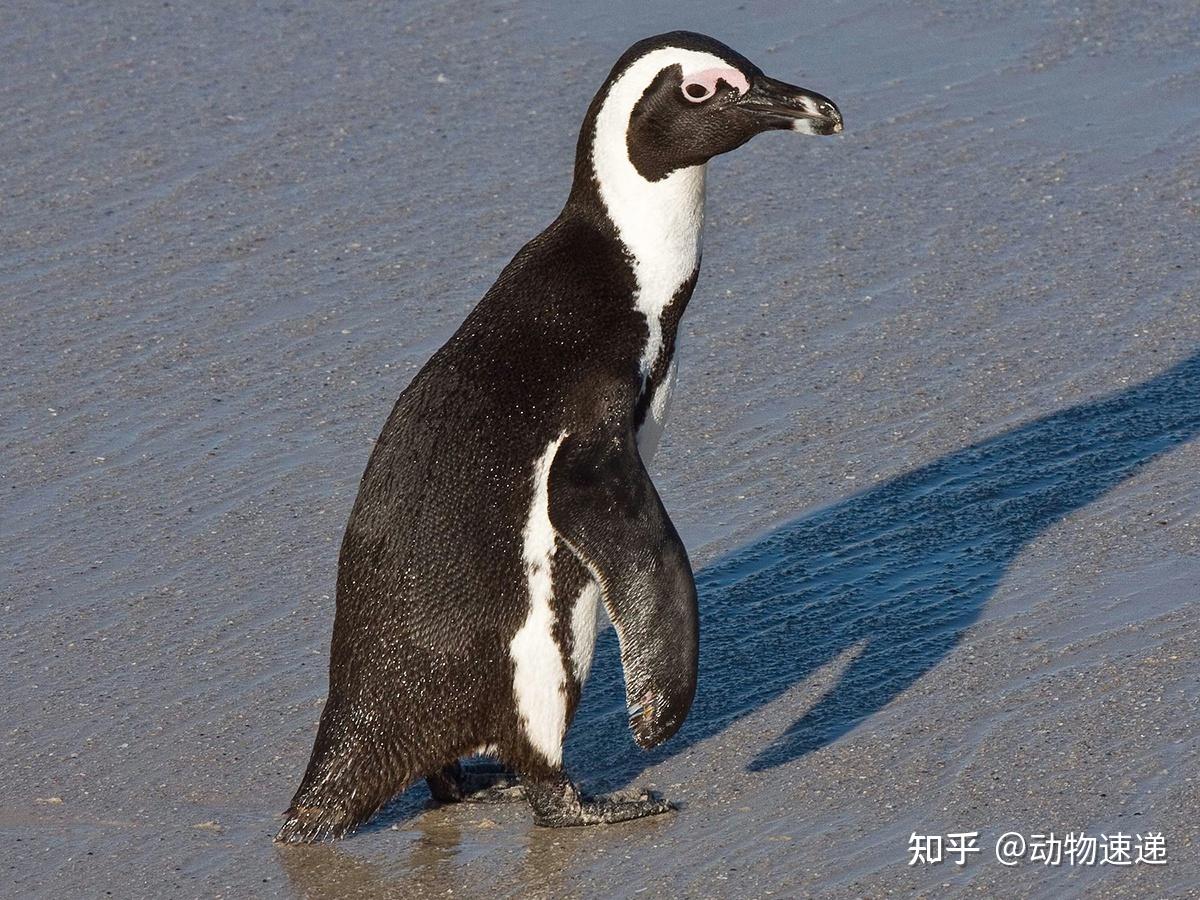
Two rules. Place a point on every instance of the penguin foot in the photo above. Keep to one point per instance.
(559, 804)
(483, 782)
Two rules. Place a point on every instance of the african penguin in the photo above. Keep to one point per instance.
(506, 501)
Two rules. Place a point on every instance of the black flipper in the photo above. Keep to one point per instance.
(605, 508)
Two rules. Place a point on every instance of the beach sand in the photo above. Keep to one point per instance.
(933, 454)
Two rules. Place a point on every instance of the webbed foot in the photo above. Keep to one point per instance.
(559, 804)
(477, 782)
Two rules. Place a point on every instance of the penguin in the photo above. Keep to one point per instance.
(506, 509)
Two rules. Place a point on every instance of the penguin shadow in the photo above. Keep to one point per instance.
(895, 575)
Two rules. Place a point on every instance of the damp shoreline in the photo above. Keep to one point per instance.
(933, 450)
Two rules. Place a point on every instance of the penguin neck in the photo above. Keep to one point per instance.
(659, 225)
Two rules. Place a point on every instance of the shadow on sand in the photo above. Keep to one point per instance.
(896, 573)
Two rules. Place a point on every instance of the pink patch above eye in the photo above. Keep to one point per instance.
(708, 79)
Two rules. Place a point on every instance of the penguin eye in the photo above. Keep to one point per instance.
(700, 86)
(698, 92)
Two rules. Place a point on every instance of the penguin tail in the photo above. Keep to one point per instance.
(334, 806)
(334, 801)
(311, 824)
(348, 780)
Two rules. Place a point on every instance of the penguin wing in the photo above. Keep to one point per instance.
(603, 505)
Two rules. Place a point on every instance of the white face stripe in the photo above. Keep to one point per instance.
(539, 679)
(659, 222)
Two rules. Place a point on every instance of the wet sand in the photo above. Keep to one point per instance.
(934, 452)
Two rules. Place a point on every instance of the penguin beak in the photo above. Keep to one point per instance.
(780, 105)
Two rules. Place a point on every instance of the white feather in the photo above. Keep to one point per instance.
(539, 679)
(585, 625)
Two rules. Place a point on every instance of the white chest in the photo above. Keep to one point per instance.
(664, 243)
(660, 224)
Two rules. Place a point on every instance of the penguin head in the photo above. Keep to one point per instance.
(676, 100)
